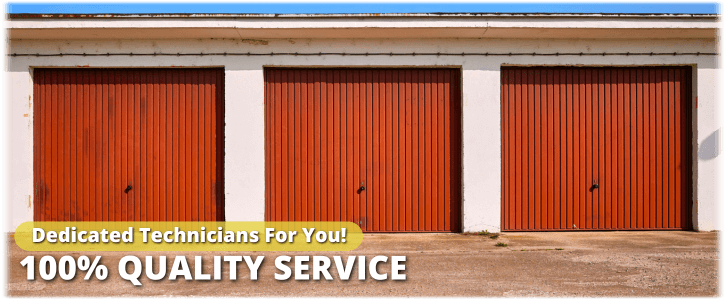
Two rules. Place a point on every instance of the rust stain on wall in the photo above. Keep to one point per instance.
(254, 42)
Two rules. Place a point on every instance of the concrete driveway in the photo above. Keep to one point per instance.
(666, 263)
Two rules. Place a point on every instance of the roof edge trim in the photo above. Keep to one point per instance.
(366, 15)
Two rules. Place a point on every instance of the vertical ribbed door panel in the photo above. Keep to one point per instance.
(128, 144)
(596, 148)
(395, 132)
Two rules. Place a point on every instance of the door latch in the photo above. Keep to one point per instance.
(361, 188)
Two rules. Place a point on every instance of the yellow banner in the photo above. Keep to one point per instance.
(188, 236)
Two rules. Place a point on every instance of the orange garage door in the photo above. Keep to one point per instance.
(596, 148)
(128, 144)
(378, 147)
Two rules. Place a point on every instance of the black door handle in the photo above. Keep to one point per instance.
(128, 188)
(361, 189)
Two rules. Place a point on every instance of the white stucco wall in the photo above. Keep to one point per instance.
(244, 141)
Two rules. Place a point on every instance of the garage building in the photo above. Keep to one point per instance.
(397, 122)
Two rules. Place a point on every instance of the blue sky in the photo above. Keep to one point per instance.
(286, 8)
